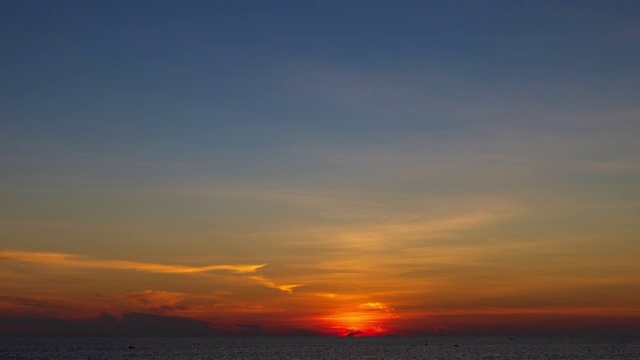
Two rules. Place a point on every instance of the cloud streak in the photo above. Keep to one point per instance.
(59, 259)
(269, 283)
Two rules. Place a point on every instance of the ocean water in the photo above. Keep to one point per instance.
(265, 348)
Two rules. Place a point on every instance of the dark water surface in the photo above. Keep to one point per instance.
(265, 348)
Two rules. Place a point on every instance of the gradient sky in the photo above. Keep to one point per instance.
(319, 167)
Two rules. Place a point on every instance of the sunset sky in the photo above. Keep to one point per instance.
(319, 167)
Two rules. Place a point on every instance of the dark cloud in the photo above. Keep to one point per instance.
(253, 328)
(305, 332)
(445, 331)
(34, 302)
(174, 307)
(127, 325)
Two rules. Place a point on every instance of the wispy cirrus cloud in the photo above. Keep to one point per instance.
(380, 236)
(70, 260)
(60, 259)
(269, 283)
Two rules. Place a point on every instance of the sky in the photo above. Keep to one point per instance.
(204, 168)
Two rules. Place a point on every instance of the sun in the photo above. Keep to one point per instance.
(369, 319)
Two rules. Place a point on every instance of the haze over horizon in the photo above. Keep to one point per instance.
(319, 168)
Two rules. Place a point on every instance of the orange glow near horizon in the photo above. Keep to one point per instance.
(248, 299)
(367, 319)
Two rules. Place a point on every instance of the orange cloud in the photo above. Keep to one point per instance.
(161, 302)
(373, 306)
(57, 259)
(327, 295)
(269, 283)
(157, 297)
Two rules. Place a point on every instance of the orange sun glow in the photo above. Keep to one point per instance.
(370, 319)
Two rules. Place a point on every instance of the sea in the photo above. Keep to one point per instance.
(266, 348)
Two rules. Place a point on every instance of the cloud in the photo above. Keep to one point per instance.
(254, 328)
(443, 330)
(58, 259)
(269, 283)
(158, 296)
(129, 324)
(159, 302)
(327, 295)
(373, 306)
(33, 302)
(383, 235)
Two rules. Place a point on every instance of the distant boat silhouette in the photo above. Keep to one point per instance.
(131, 347)
(351, 335)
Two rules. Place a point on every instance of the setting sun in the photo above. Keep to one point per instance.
(368, 319)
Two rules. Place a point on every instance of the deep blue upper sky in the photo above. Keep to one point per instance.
(173, 79)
